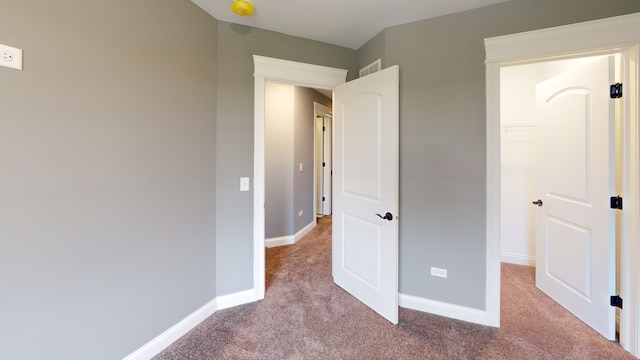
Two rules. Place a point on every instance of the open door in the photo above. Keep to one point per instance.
(365, 223)
(575, 245)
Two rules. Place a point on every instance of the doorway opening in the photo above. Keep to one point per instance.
(284, 72)
(376, 97)
(292, 160)
(600, 37)
(521, 137)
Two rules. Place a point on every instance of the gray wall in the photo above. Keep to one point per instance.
(442, 135)
(236, 46)
(278, 160)
(373, 50)
(107, 163)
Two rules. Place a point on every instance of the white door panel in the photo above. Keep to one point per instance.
(567, 139)
(362, 242)
(365, 246)
(575, 245)
(575, 237)
(362, 158)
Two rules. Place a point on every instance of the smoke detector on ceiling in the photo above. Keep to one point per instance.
(242, 7)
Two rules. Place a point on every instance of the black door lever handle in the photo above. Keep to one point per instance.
(387, 216)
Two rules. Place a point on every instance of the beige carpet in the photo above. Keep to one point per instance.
(306, 316)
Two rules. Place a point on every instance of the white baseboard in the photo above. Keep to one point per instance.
(165, 339)
(304, 231)
(279, 241)
(444, 309)
(518, 259)
(235, 299)
(290, 239)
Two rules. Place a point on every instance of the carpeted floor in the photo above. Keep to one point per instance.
(306, 316)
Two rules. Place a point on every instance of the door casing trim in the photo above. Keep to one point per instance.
(285, 72)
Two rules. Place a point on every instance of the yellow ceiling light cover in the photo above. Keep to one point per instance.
(242, 7)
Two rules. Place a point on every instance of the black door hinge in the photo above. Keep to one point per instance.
(615, 91)
(324, 164)
(616, 301)
(616, 202)
(323, 199)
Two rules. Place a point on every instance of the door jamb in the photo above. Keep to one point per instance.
(285, 72)
(599, 37)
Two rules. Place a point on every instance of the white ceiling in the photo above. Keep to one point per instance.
(348, 23)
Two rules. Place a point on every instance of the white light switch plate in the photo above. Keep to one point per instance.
(10, 57)
(244, 184)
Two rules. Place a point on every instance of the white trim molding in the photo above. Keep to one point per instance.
(321, 109)
(296, 73)
(592, 37)
(290, 239)
(457, 312)
(287, 72)
(235, 299)
(518, 259)
(617, 35)
(162, 341)
(165, 339)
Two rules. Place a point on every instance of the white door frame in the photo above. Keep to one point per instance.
(606, 36)
(284, 72)
(319, 109)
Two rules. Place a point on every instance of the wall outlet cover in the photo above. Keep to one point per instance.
(10, 57)
(438, 272)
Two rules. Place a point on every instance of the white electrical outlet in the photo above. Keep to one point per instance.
(300, 213)
(10, 57)
(438, 272)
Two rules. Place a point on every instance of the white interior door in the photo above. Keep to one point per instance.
(366, 142)
(575, 245)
